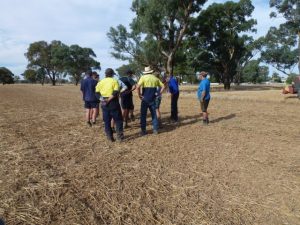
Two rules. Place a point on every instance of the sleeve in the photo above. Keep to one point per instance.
(160, 84)
(141, 82)
(98, 87)
(132, 82)
(116, 86)
(122, 86)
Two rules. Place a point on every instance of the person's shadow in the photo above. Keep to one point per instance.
(228, 117)
(184, 121)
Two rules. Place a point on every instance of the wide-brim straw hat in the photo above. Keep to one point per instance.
(148, 70)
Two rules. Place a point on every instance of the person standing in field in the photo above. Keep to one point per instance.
(158, 101)
(174, 91)
(87, 87)
(122, 89)
(108, 88)
(126, 96)
(204, 95)
(95, 76)
(147, 92)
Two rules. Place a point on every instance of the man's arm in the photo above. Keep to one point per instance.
(139, 91)
(115, 91)
(203, 93)
(162, 89)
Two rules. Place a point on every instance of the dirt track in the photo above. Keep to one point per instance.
(244, 168)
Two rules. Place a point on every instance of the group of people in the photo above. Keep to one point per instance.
(115, 96)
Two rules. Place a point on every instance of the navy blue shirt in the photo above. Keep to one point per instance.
(88, 87)
(173, 86)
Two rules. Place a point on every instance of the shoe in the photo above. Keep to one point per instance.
(126, 126)
(120, 137)
(113, 130)
(94, 123)
(132, 118)
(205, 122)
(89, 123)
(143, 133)
(155, 132)
(110, 138)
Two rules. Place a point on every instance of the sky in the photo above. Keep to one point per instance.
(82, 22)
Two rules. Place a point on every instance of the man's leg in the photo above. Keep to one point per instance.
(87, 107)
(144, 108)
(176, 96)
(107, 120)
(125, 117)
(87, 116)
(204, 105)
(154, 117)
(117, 117)
(94, 115)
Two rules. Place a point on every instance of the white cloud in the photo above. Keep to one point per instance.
(82, 22)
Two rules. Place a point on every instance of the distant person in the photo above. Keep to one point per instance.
(174, 91)
(126, 96)
(87, 88)
(204, 95)
(108, 88)
(158, 102)
(95, 76)
(147, 91)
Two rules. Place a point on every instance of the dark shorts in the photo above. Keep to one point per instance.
(126, 102)
(204, 105)
(157, 102)
(91, 105)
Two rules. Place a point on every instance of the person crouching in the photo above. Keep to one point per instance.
(108, 88)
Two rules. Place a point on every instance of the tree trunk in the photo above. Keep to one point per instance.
(226, 81)
(53, 79)
(170, 64)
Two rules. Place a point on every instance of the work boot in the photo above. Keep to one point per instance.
(120, 137)
(110, 138)
(89, 123)
(143, 133)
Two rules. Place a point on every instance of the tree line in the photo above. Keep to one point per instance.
(182, 37)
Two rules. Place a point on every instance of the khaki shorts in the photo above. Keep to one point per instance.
(204, 105)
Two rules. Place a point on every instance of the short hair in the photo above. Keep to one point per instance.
(129, 72)
(109, 72)
(88, 72)
(203, 73)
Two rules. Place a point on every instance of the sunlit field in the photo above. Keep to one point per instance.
(243, 168)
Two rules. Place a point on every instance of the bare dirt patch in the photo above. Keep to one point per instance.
(244, 168)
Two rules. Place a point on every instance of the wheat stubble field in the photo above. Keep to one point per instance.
(244, 168)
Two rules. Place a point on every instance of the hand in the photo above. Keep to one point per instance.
(141, 97)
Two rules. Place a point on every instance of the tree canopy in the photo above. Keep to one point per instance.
(57, 59)
(79, 60)
(163, 24)
(217, 42)
(6, 76)
(290, 10)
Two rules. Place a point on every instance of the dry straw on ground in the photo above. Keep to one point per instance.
(244, 168)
